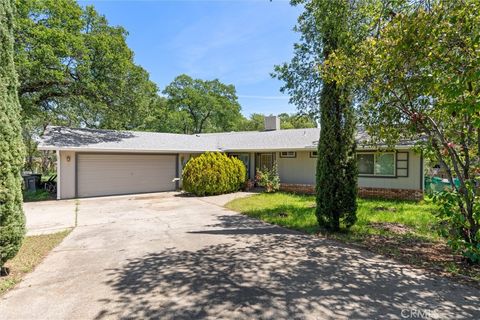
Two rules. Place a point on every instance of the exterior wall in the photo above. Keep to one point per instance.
(182, 161)
(67, 175)
(298, 175)
(299, 170)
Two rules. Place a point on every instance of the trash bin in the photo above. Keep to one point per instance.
(32, 181)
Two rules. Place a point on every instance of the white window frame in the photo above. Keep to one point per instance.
(375, 154)
(288, 154)
(312, 155)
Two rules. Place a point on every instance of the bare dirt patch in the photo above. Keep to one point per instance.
(396, 228)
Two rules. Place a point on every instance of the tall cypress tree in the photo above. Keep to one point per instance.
(12, 219)
(336, 178)
(325, 26)
(336, 188)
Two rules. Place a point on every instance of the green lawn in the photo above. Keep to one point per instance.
(32, 252)
(374, 216)
(404, 230)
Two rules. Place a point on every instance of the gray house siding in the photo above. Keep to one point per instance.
(301, 170)
(298, 170)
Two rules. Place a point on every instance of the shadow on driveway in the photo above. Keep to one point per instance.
(268, 272)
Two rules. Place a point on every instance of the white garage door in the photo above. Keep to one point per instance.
(101, 174)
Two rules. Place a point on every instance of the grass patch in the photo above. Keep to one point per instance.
(33, 251)
(404, 230)
(38, 195)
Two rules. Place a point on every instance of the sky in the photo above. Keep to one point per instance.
(237, 42)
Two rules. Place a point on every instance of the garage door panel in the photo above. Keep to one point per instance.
(100, 174)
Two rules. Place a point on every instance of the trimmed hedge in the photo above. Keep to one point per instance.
(213, 173)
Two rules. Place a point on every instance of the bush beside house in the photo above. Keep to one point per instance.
(269, 179)
(213, 173)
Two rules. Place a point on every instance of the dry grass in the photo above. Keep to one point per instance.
(34, 249)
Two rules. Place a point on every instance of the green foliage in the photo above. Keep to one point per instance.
(255, 122)
(204, 105)
(213, 173)
(296, 121)
(336, 176)
(347, 21)
(12, 219)
(418, 76)
(77, 70)
(325, 28)
(287, 121)
(297, 211)
(268, 178)
(461, 231)
(38, 195)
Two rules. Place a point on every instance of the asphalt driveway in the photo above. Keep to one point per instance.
(164, 256)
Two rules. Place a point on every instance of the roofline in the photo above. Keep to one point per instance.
(312, 148)
(82, 149)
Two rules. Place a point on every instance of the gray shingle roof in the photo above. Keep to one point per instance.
(63, 138)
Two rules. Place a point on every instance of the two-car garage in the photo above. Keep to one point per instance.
(101, 174)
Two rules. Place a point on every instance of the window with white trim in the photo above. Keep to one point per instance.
(313, 154)
(288, 154)
(376, 164)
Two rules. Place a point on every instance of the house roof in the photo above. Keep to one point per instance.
(64, 138)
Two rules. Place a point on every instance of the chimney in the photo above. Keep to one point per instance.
(272, 123)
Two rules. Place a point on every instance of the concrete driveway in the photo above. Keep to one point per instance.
(44, 217)
(164, 256)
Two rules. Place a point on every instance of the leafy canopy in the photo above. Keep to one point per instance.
(76, 69)
(204, 104)
(418, 76)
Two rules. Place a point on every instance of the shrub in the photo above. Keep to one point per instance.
(213, 173)
(12, 219)
(268, 178)
(463, 234)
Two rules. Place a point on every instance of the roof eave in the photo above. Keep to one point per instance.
(120, 150)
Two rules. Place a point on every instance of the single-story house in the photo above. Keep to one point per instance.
(94, 162)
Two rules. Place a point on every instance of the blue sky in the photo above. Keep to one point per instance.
(237, 42)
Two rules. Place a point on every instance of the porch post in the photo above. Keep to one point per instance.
(58, 174)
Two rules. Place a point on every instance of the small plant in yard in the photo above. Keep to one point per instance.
(268, 178)
(213, 173)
